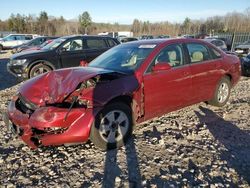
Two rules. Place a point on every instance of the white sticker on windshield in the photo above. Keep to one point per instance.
(147, 46)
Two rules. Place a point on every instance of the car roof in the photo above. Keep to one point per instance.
(85, 36)
(165, 40)
(212, 39)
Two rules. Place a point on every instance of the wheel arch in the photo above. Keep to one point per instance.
(126, 99)
(36, 62)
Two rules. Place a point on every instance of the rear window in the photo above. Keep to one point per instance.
(112, 43)
(96, 43)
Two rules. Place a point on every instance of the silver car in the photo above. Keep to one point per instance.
(218, 43)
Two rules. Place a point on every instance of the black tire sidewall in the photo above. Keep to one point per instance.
(95, 135)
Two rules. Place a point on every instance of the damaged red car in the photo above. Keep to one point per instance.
(125, 86)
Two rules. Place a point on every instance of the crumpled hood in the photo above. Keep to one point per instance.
(54, 86)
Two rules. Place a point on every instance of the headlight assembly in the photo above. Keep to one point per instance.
(17, 61)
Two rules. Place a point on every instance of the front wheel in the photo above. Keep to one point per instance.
(112, 127)
(222, 93)
(38, 69)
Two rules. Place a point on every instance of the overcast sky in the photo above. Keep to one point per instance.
(125, 11)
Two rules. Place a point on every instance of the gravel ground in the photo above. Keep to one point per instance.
(200, 146)
(5, 54)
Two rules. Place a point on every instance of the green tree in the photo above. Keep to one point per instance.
(186, 26)
(85, 21)
(42, 23)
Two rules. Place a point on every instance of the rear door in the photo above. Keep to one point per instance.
(205, 70)
(167, 90)
(71, 52)
(93, 47)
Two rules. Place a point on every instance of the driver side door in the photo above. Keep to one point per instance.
(72, 53)
(167, 90)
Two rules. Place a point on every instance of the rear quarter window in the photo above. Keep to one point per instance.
(215, 53)
(111, 43)
(96, 43)
(198, 52)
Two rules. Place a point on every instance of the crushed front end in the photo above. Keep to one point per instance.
(59, 107)
(49, 125)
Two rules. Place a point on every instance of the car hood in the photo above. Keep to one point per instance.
(25, 54)
(55, 86)
(18, 46)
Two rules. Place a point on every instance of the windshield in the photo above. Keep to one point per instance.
(54, 44)
(123, 58)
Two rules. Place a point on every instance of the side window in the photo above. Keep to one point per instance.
(215, 54)
(36, 42)
(171, 54)
(73, 45)
(19, 37)
(111, 42)
(96, 43)
(198, 53)
(27, 37)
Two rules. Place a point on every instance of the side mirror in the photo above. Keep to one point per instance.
(62, 50)
(161, 67)
(83, 63)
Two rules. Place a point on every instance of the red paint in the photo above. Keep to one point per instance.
(153, 93)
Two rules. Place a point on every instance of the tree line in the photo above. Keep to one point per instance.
(44, 24)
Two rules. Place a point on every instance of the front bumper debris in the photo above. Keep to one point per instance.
(46, 126)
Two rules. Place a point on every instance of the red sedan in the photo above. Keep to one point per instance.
(127, 85)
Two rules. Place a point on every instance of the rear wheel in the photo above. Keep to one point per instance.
(222, 93)
(39, 69)
(112, 127)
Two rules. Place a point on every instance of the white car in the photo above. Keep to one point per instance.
(14, 39)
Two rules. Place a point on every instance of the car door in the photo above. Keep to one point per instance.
(71, 52)
(167, 90)
(205, 70)
(10, 41)
(94, 47)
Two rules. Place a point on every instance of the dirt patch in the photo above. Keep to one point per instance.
(199, 146)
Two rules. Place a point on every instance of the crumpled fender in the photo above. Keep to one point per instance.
(103, 93)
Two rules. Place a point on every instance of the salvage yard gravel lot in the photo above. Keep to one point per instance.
(199, 145)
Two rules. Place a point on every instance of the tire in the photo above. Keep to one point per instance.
(1, 47)
(112, 127)
(38, 69)
(222, 93)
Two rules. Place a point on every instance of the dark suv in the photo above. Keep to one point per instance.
(69, 51)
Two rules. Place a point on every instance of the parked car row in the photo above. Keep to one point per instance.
(69, 51)
(130, 83)
(32, 44)
(15, 39)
